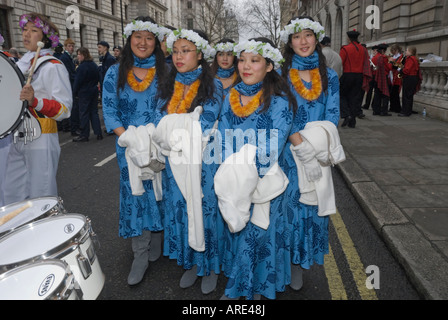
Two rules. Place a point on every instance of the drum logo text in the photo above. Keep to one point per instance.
(69, 228)
(46, 285)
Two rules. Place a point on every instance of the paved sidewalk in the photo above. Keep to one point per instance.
(397, 168)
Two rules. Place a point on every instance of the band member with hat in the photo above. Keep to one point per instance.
(380, 103)
(356, 77)
(396, 59)
(32, 167)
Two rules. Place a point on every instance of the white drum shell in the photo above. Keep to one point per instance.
(66, 237)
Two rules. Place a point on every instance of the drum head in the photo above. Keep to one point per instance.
(36, 281)
(39, 207)
(40, 238)
(11, 108)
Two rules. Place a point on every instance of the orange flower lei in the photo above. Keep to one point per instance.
(141, 86)
(248, 109)
(316, 84)
(177, 105)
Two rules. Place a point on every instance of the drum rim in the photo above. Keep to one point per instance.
(24, 105)
(54, 293)
(70, 244)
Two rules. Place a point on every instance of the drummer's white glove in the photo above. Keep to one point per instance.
(307, 155)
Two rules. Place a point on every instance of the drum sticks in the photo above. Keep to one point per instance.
(40, 45)
(14, 213)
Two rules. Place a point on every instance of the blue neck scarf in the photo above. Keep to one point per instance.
(225, 73)
(247, 90)
(145, 63)
(188, 78)
(309, 63)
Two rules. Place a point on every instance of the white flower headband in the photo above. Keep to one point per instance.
(138, 25)
(225, 47)
(200, 43)
(263, 49)
(299, 25)
(163, 32)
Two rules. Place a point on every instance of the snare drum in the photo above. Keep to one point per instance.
(66, 237)
(14, 113)
(41, 208)
(42, 280)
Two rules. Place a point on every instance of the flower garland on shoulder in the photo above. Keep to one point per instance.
(240, 110)
(177, 105)
(316, 84)
(144, 84)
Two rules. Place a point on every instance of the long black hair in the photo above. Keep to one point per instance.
(127, 60)
(215, 64)
(288, 55)
(206, 89)
(273, 84)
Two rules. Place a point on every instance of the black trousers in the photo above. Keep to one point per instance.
(88, 114)
(380, 104)
(395, 103)
(409, 86)
(351, 94)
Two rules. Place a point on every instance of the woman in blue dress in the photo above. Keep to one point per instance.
(191, 84)
(316, 89)
(129, 99)
(256, 259)
(224, 65)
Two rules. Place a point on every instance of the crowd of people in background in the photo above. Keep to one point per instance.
(261, 224)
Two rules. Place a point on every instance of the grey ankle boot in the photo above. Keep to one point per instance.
(296, 277)
(155, 247)
(140, 247)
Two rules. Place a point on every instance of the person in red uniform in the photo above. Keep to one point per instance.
(411, 81)
(355, 78)
(380, 104)
(396, 60)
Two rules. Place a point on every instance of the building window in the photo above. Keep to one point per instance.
(113, 5)
(190, 4)
(190, 23)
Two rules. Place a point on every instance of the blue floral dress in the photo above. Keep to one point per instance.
(309, 232)
(176, 245)
(257, 261)
(137, 213)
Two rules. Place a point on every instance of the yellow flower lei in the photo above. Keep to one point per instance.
(177, 105)
(248, 109)
(141, 86)
(316, 84)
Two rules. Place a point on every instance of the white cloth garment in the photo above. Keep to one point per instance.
(269, 187)
(324, 138)
(180, 137)
(137, 141)
(237, 186)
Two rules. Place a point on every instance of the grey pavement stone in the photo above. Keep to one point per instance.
(426, 267)
(424, 219)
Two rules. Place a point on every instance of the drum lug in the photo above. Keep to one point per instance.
(93, 235)
(84, 265)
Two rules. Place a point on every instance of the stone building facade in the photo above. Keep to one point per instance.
(418, 23)
(98, 19)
